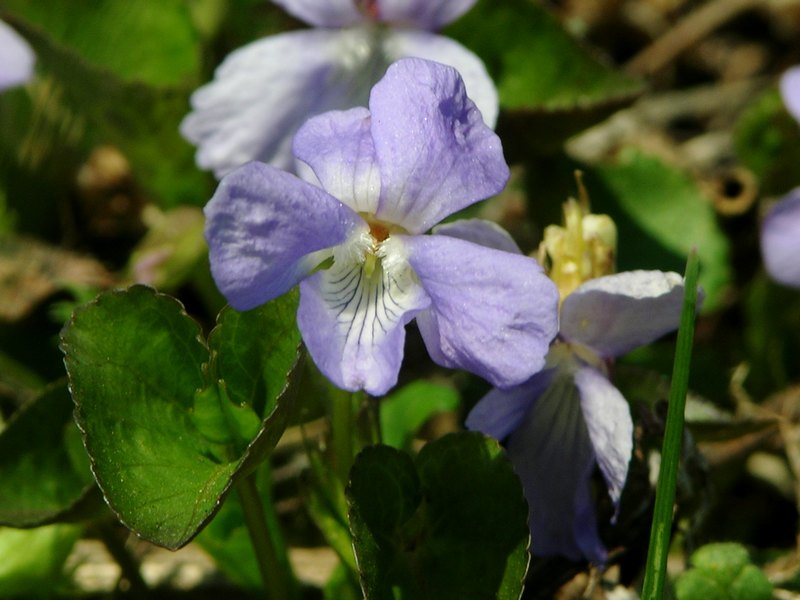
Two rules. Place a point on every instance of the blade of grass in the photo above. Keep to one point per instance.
(656, 569)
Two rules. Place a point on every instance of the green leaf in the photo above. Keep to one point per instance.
(451, 524)
(148, 42)
(406, 410)
(723, 570)
(165, 439)
(661, 214)
(43, 468)
(547, 82)
(32, 560)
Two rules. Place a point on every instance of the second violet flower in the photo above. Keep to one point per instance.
(356, 246)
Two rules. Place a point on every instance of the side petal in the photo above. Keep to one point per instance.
(400, 43)
(337, 145)
(790, 91)
(263, 227)
(264, 91)
(427, 14)
(608, 421)
(552, 454)
(323, 13)
(617, 313)
(353, 324)
(436, 155)
(500, 412)
(492, 313)
(481, 232)
(18, 58)
(780, 240)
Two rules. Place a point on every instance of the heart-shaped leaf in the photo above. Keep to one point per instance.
(451, 524)
(167, 433)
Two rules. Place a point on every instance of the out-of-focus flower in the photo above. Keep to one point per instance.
(17, 59)
(569, 417)
(780, 229)
(388, 174)
(264, 91)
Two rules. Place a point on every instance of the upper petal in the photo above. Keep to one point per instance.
(323, 13)
(492, 313)
(427, 14)
(338, 147)
(353, 323)
(481, 232)
(780, 240)
(263, 226)
(399, 43)
(608, 421)
(500, 412)
(435, 153)
(617, 313)
(552, 454)
(790, 91)
(264, 91)
(18, 58)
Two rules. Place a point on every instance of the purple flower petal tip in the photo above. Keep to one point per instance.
(790, 91)
(780, 240)
(18, 58)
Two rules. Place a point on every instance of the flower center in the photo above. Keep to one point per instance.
(369, 8)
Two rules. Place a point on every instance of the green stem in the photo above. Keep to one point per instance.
(262, 524)
(656, 569)
(131, 572)
(342, 433)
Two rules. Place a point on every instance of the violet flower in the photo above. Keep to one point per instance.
(18, 58)
(388, 174)
(265, 90)
(780, 229)
(569, 417)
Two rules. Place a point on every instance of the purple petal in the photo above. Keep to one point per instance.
(608, 420)
(617, 313)
(18, 58)
(427, 14)
(500, 412)
(436, 155)
(263, 226)
(264, 91)
(790, 91)
(400, 43)
(492, 313)
(481, 232)
(338, 147)
(354, 326)
(323, 13)
(780, 240)
(552, 454)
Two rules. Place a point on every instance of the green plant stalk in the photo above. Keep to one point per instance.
(656, 569)
(342, 432)
(262, 525)
(130, 567)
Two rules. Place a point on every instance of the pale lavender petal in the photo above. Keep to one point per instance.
(608, 420)
(338, 147)
(552, 454)
(263, 227)
(481, 232)
(780, 240)
(500, 412)
(264, 91)
(399, 43)
(323, 13)
(427, 14)
(617, 313)
(492, 313)
(17, 58)
(790, 91)
(436, 155)
(354, 325)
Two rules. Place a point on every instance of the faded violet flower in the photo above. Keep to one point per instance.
(263, 92)
(356, 246)
(569, 417)
(17, 62)
(780, 229)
